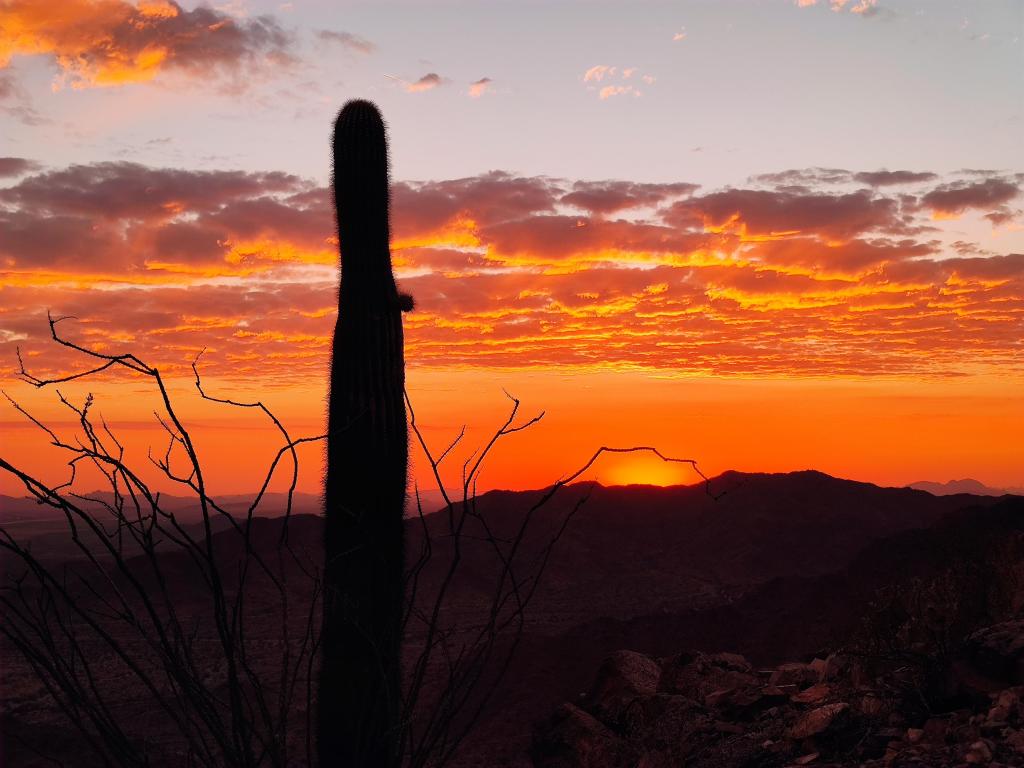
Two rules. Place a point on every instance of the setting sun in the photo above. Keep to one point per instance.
(643, 469)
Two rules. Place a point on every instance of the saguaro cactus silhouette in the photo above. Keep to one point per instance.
(367, 457)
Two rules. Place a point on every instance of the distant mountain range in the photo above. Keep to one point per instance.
(967, 485)
(23, 509)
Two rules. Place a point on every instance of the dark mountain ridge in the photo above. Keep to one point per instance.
(628, 551)
(643, 549)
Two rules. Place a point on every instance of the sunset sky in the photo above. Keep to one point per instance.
(765, 235)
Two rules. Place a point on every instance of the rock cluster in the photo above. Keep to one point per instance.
(704, 710)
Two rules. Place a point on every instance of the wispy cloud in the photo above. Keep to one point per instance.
(16, 103)
(598, 73)
(609, 91)
(954, 199)
(8, 89)
(865, 7)
(860, 7)
(428, 82)
(886, 178)
(16, 166)
(347, 40)
(480, 87)
(603, 73)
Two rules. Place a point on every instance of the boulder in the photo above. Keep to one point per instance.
(626, 673)
(794, 674)
(673, 723)
(572, 738)
(936, 728)
(1015, 741)
(871, 705)
(623, 677)
(998, 651)
(821, 668)
(967, 680)
(698, 675)
(715, 711)
(816, 694)
(817, 721)
(741, 702)
(979, 753)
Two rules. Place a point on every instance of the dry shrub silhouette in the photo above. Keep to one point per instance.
(255, 646)
(160, 609)
(919, 625)
(216, 625)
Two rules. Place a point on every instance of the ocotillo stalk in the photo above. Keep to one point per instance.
(367, 457)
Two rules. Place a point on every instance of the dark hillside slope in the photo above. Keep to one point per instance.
(632, 550)
(786, 618)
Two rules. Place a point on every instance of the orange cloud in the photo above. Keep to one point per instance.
(347, 40)
(616, 90)
(951, 200)
(97, 43)
(598, 73)
(426, 83)
(513, 272)
(602, 72)
(480, 87)
(862, 7)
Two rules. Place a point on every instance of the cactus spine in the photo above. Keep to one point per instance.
(358, 718)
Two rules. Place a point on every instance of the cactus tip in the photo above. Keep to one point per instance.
(358, 115)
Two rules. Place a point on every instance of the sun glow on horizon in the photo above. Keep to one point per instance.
(643, 468)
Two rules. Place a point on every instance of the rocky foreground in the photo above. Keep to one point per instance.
(703, 710)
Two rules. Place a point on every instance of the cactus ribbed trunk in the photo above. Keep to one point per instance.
(367, 457)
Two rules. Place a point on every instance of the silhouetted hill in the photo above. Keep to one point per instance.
(798, 616)
(636, 549)
(966, 485)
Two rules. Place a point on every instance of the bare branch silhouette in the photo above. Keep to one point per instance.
(215, 619)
